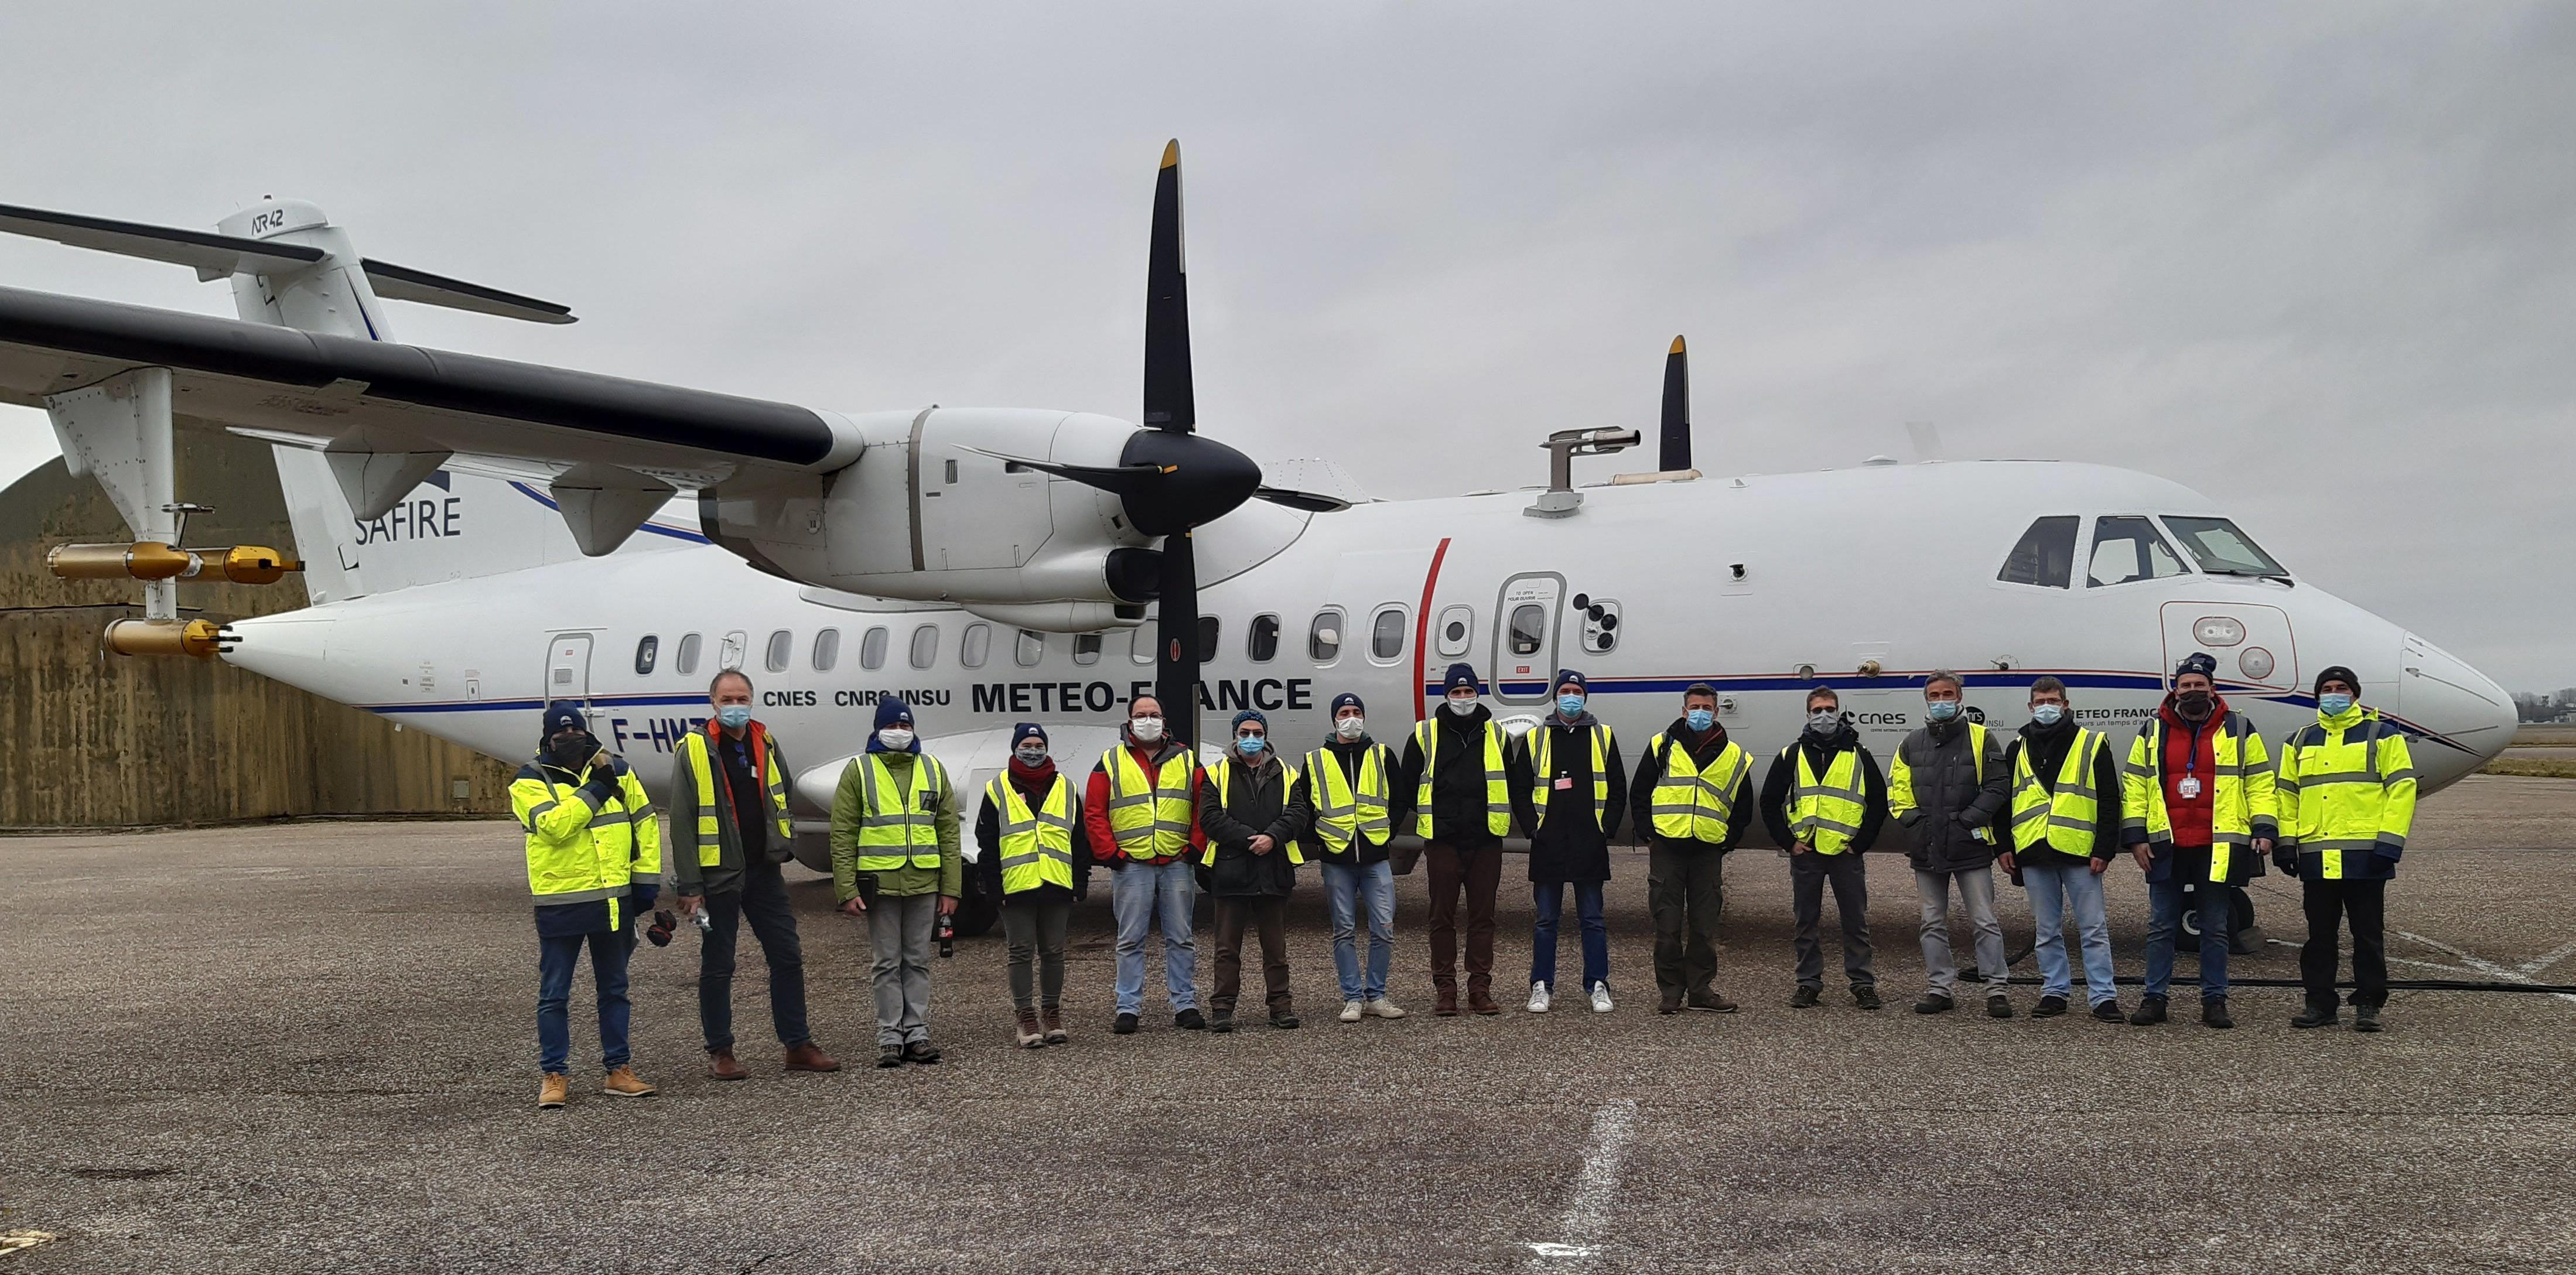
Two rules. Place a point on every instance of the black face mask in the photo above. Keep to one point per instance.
(2192, 704)
(572, 752)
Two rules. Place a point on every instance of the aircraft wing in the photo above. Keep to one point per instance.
(353, 395)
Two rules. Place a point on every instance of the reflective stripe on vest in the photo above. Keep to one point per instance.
(899, 825)
(2064, 820)
(703, 767)
(1149, 815)
(1689, 804)
(2231, 816)
(1498, 787)
(1541, 764)
(1036, 845)
(1221, 773)
(1342, 813)
(1826, 813)
(594, 861)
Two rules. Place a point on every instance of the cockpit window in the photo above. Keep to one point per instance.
(2046, 554)
(2220, 548)
(2126, 549)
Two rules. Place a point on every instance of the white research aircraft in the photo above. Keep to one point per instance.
(501, 535)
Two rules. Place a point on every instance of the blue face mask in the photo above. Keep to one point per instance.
(2334, 705)
(1251, 745)
(1700, 719)
(1941, 710)
(1570, 705)
(734, 716)
(2048, 714)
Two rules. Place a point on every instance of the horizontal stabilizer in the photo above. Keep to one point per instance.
(403, 283)
(211, 255)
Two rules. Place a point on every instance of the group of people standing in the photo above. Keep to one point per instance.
(2195, 799)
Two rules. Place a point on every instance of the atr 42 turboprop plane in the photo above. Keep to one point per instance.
(484, 537)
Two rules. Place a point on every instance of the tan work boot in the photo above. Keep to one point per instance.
(1051, 1018)
(810, 1057)
(552, 1091)
(721, 1066)
(1031, 1036)
(624, 1083)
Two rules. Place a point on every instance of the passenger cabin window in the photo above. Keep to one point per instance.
(827, 650)
(1140, 643)
(925, 645)
(872, 648)
(1386, 634)
(1324, 637)
(2045, 556)
(1208, 627)
(2221, 549)
(646, 648)
(782, 645)
(1529, 629)
(1262, 639)
(1086, 648)
(1030, 648)
(687, 662)
(2127, 549)
(977, 645)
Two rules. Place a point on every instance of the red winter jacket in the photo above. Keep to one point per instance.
(2191, 750)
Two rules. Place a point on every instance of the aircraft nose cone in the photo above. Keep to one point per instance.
(2441, 693)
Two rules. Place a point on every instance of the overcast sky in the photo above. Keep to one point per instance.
(2315, 261)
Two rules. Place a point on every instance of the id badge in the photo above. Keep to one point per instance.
(1565, 781)
(2189, 787)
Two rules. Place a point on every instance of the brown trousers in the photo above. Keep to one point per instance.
(1480, 869)
(1268, 916)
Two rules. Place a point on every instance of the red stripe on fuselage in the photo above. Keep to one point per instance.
(1422, 623)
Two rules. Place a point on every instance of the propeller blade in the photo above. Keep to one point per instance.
(1677, 434)
(1176, 640)
(1118, 480)
(1170, 403)
(1311, 502)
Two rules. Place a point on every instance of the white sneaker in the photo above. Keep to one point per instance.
(1601, 998)
(1350, 1011)
(1384, 1008)
(1538, 998)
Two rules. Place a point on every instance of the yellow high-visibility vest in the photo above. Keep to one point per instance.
(2242, 790)
(2067, 820)
(1221, 773)
(1343, 812)
(1900, 778)
(1037, 845)
(2346, 784)
(579, 847)
(693, 753)
(1149, 815)
(1542, 762)
(1826, 813)
(898, 822)
(1691, 804)
(1498, 786)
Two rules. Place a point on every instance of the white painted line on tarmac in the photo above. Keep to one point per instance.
(1589, 1209)
(2534, 967)
(2484, 966)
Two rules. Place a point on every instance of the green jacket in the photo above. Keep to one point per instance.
(907, 880)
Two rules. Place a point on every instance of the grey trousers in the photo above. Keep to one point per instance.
(1809, 874)
(1977, 895)
(1035, 932)
(899, 932)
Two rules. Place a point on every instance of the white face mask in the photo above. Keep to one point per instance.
(1351, 727)
(1463, 706)
(895, 737)
(1146, 729)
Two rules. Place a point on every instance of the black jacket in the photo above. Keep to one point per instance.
(1566, 842)
(1781, 782)
(1951, 827)
(988, 840)
(1650, 771)
(1364, 849)
(1457, 778)
(1259, 801)
(2047, 746)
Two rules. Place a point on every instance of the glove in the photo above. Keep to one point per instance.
(2286, 858)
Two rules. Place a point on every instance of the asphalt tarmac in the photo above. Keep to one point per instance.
(310, 1047)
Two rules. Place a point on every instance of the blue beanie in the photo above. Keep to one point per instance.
(1252, 715)
(892, 711)
(1026, 731)
(1461, 674)
(1566, 675)
(561, 717)
(1347, 700)
(2201, 662)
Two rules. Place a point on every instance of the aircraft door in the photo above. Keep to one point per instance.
(568, 669)
(2251, 642)
(1526, 618)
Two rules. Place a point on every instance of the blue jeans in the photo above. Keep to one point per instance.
(2054, 890)
(1596, 934)
(1344, 887)
(2217, 908)
(556, 958)
(1139, 893)
(762, 901)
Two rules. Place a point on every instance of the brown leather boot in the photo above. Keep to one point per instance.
(721, 1066)
(1031, 1036)
(624, 1083)
(1444, 1002)
(809, 1057)
(1051, 1018)
(1481, 1001)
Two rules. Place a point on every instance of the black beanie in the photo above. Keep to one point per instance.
(2337, 672)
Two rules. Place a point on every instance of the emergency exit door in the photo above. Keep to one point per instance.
(1526, 618)
(568, 669)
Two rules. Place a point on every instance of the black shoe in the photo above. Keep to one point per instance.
(1188, 1020)
(2109, 1012)
(889, 1055)
(2315, 1016)
(1125, 1026)
(2213, 1013)
(2365, 1018)
(1283, 1020)
(1935, 1003)
(1669, 1003)
(1806, 998)
(1222, 1023)
(2048, 1007)
(1866, 997)
(920, 1052)
(2151, 1011)
(1998, 1006)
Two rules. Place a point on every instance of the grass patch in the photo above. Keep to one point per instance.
(2542, 767)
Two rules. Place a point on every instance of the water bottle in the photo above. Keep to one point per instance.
(704, 922)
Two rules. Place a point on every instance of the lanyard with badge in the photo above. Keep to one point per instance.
(2189, 785)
